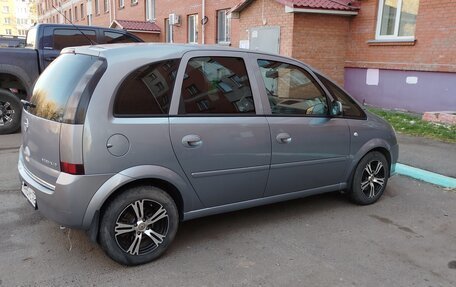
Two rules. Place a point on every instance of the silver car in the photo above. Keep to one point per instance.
(125, 141)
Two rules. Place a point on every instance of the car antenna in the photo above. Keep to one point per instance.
(90, 41)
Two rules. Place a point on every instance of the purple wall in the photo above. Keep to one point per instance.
(433, 91)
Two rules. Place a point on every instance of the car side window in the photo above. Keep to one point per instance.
(349, 106)
(216, 85)
(113, 37)
(147, 91)
(72, 37)
(291, 90)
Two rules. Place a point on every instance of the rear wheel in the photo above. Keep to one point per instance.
(138, 225)
(10, 112)
(370, 179)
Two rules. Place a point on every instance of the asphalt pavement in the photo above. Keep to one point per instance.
(406, 239)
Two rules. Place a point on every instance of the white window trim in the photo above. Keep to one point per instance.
(195, 33)
(227, 18)
(150, 10)
(121, 3)
(396, 24)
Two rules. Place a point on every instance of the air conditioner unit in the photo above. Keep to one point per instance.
(174, 19)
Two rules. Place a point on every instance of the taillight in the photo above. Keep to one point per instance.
(72, 168)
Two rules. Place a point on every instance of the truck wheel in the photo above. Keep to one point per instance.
(138, 225)
(10, 112)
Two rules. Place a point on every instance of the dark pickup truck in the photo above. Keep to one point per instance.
(20, 67)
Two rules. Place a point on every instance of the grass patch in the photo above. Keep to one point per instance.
(413, 125)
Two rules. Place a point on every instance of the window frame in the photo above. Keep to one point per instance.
(395, 36)
(346, 94)
(181, 75)
(121, 4)
(318, 83)
(195, 32)
(126, 76)
(227, 26)
(150, 12)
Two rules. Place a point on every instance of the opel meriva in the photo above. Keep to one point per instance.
(128, 140)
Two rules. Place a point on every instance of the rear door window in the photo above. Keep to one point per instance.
(72, 37)
(147, 91)
(216, 85)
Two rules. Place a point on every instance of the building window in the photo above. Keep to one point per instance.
(64, 16)
(76, 13)
(22, 32)
(8, 31)
(82, 10)
(223, 26)
(97, 7)
(5, 9)
(121, 3)
(193, 28)
(397, 19)
(150, 10)
(70, 15)
(7, 20)
(134, 2)
(106, 6)
(168, 32)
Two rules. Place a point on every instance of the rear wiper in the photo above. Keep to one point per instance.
(27, 104)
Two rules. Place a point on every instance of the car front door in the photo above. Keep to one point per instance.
(310, 148)
(218, 132)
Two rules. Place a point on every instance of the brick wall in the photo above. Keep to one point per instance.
(435, 35)
(273, 13)
(321, 41)
(189, 7)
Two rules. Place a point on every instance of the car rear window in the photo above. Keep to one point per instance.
(63, 90)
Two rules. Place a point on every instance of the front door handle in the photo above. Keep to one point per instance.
(192, 141)
(283, 138)
(50, 59)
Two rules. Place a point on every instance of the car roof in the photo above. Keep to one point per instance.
(160, 50)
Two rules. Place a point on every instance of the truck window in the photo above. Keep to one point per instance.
(72, 37)
(31, 38)
(113, 37)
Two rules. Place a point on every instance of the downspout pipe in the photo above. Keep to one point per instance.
(203, 4)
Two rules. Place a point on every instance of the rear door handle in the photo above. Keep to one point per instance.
(50, 59)
(283, 138)
(192, 141)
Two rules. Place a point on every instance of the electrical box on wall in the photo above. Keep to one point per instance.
(174, 19)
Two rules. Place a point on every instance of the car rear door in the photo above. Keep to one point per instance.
(310, 148)
(218, 132)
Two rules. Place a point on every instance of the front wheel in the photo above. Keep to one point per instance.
(10, 112)
(138, 225)
(370, 179)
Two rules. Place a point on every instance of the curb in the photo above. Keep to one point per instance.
(427, 176)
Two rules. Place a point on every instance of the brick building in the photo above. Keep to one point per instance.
(390, 53)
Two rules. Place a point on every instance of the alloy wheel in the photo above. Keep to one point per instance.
(6, 113)
(373, 178)
(141, 227)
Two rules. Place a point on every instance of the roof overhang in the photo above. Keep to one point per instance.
(320, 11)
(117, 25)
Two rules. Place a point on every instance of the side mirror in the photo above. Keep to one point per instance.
(336, 108)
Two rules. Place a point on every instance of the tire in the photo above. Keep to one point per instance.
(143, 242)
(370, 179)
(10, 112)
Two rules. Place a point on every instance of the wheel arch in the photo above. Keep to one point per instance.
(161, 177)
(13, 74)
(371, 146)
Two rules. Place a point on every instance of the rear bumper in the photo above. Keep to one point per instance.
(67, 203)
